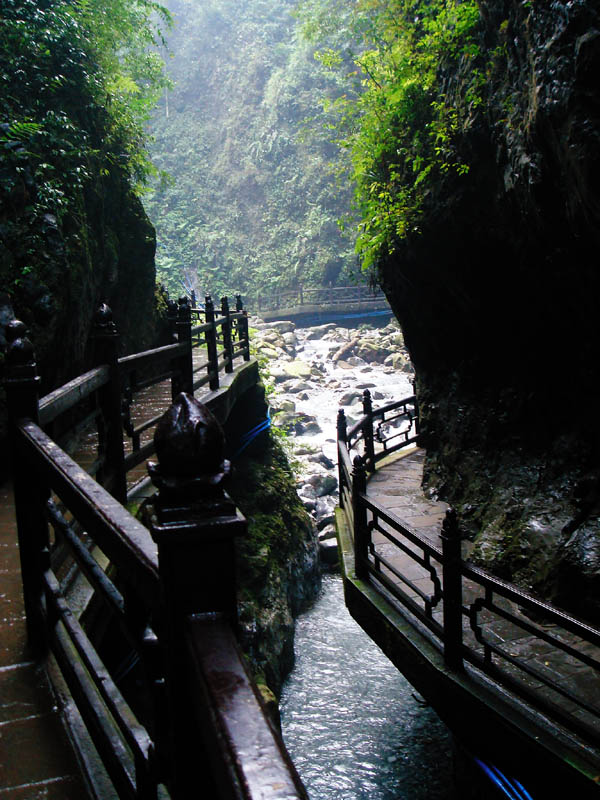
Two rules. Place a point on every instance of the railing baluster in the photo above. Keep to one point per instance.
(368, 431)
(172, 320)
(112, 474)
(194, 525)
(227, 340)
(183, 377)
(452, 593)
(31, 491)
(342, 435)
(361, 528)
(243, 326)
(211, 344)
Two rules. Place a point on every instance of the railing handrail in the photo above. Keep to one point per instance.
(321, 295)
(70, 394)
(357, 506)
(150, 598)
(157, 354)
(97, 510)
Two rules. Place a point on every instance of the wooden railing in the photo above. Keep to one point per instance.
(170, 589)
(317, 296)
(469, 614)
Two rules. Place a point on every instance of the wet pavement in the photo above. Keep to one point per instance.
(397, 486)
(36, 757)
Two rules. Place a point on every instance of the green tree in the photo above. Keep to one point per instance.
(254, 199)
(397, 122)
(77, 81)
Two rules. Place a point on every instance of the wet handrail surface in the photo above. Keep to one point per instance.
(90, 522)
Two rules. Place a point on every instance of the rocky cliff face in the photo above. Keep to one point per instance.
(105, 255)
(498, 298)
(73, 233)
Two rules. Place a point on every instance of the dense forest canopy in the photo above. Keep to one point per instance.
(253, 200)
(77, 81)
(280, 110)
(396, 123)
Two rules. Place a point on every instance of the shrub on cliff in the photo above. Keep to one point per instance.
(396, 124)
(77, 79)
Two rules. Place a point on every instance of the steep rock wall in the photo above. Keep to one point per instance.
(105, 254)
(497, 297)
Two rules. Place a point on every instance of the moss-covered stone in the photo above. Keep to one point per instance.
(278, 561)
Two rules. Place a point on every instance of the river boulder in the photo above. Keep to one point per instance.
(323, 484)
(297, 369)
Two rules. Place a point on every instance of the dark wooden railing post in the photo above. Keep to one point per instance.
(31, 491)
(361, 528)
(211, 344)
(183, 378)
(227, 338)
(194, 525)
(342, 437)
(172, 320)
(368, 430)
(416, 418)
(243, 326)
(452, 592)
(193, 298)
(111, 474)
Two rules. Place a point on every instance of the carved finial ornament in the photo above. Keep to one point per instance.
(190, 447)
(20, 350)
(450, 523)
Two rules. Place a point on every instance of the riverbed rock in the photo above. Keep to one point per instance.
(272, 336)
(372, 352)
(307, 490)
(328, 553)
(325, 521)
(348, 398)
(281, 326)
(319, 331)
(297, 369)
(286, 406)
(323, 484)
(299, 386)
(267, 351)
(327, 532)
(325, 506)
(395, 360)
(311, 426)
(321, 458)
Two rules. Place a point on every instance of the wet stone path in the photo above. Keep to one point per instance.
(397, 486)
(36, 757)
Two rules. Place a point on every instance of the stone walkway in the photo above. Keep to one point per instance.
(36, 757)
(397, 486)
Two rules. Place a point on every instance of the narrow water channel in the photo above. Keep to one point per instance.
(355, 728)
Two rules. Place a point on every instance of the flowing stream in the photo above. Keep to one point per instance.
(355, 728)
